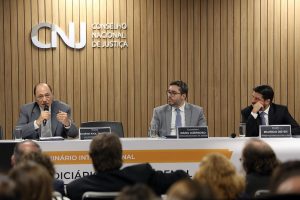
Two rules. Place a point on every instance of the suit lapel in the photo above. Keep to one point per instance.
(168, 118)
(187, 114)
(271, 115)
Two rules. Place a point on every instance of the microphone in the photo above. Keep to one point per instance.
(46, 108)
(232, 135)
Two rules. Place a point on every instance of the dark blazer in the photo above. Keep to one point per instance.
(162, 116)
(30, 112)
(255, 181)
(114, 181)
(59, 186)
(278, 115)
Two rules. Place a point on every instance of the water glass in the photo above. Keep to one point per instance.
(153, 131)
(18, 133)
(242, 129)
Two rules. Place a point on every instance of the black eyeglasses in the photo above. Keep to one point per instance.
(172, 93)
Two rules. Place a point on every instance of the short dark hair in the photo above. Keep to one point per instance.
(183, 87)
(40, 158)
(106, 152)
(266, 91)
(137, 192)
(283, 172)
(18, 152)
(259, 157)
(34, 89)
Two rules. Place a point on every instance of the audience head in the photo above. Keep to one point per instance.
(177, 93)
(263, 94)
(286, 178)
(32, 180)
(7, 188)
(106, 152)
(43, 94)
(137, 192)
(220, 175)
(42, 159)
(24, 147)
(188, 189)
(258, 157)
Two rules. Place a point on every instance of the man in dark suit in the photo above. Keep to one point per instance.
(264, 112)
(46, 117)
(165, 117)
(106, 154)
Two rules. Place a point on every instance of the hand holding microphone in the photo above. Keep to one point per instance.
(46, 108)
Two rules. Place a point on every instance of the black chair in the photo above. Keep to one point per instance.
(99, 195)
(115, 127)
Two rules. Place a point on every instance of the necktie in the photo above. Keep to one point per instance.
(178, 118)
(262, 118)
(46, 130)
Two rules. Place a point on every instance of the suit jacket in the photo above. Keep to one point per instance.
(162, 115)
(59, 186)
(278, 115)
(114, 181)
(30, 112)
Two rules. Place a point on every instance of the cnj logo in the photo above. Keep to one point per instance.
(55, 30)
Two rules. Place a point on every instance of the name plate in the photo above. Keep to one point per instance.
(192, 132)
(87, 133)
(275, 131)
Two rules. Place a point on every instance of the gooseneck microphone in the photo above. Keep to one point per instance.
(46, 108)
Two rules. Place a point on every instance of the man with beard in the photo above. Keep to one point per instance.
(264, 112)
(177, 113)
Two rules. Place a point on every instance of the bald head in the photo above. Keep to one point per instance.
(24, 147)
(258, 157)
(290, 186)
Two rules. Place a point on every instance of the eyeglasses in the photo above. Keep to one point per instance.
(40, 97)
(172, 93)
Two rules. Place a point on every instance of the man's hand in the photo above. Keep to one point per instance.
(63, 118)
(257, 107)
(44, 115)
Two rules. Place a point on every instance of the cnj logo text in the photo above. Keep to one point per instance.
(55, 30)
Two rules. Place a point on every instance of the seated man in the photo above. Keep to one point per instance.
(106, 154)
(177, 112)
(264, 112)
(46, 117)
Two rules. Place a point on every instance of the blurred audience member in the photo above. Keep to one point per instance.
(286, 178)
(33, 182)
(106, 154)
(221, 176)
(137, 192)
(258, 160)
(24, 147)
(189, 190)
(7, 188)
(45, 161)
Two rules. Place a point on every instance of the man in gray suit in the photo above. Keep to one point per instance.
(177, 112)
(46, 117)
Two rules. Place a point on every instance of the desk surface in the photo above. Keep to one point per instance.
(71, 156)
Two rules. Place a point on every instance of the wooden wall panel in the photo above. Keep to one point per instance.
(221, 48)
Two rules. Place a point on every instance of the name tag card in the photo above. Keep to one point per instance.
(275, 131)
(192, 132)
(87, 133)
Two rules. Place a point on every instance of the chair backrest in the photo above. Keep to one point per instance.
(261, 193)
(99, 195)
(115, 127)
